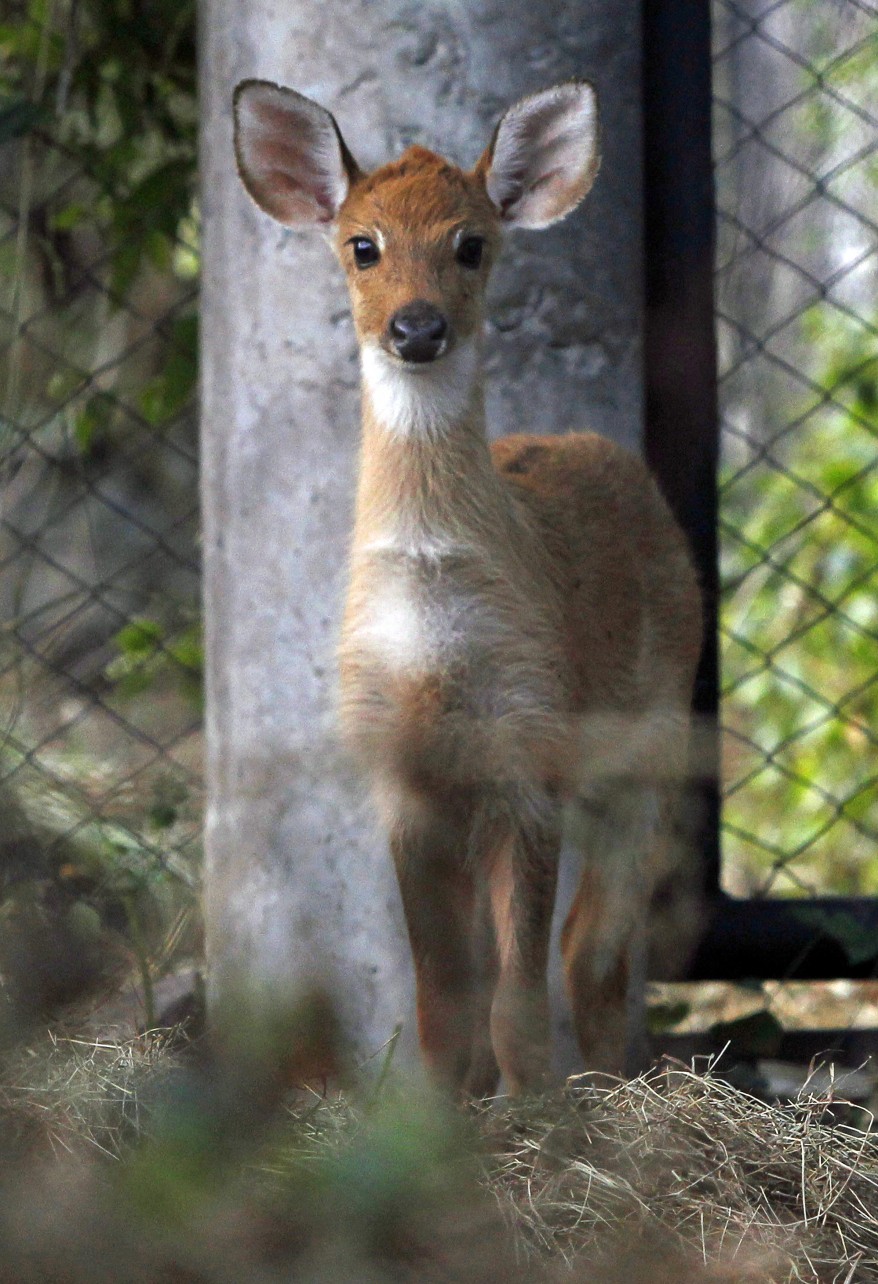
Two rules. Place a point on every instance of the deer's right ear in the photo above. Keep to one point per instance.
(291, 156)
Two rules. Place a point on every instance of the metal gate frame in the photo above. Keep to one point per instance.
(747, 939)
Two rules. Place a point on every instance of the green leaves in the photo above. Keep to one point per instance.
(146, 653)
(168, 392)
(17, 118)
(758, 1034)
(800, 615)
(125, 75)
(145, 221)
(859, 942)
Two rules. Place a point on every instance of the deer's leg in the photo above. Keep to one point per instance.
(678, 911)
(604, 941)
(429, 847)
(523, 879)
(484, 1073)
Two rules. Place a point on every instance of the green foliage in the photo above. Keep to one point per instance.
(799, 538)
(119, 96)
(165, 395)
(81, 894)
(104, 93)
(800, 616)
(856, 940)
(17, 117)
(98, 108)
(146, 653)
(662, 1017)
(169, 793)
(91, 423)
(757, 1035)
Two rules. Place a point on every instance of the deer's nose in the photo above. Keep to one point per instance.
(418, 331)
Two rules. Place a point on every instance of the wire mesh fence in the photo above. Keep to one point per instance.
(100, 653)
(796, 149)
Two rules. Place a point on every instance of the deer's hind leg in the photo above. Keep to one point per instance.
(604, 940)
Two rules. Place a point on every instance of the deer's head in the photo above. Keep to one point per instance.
(416, 237)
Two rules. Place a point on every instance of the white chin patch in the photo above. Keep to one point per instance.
(419, 400)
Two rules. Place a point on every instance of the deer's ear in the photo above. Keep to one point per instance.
(291, 156)
(544, 155)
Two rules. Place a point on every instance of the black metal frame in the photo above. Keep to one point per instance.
(757, 939)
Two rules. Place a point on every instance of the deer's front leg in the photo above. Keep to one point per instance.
(524, 877)
(429, 850)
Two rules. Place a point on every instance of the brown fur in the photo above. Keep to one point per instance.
(520, 640)
(419, 202)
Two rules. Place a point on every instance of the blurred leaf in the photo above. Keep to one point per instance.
(130, 681)
(64, 383)
(170, 390)
(756, 1035)
(91, 422)
(169, 793)
(188, 651)
(125, 266)
(17, 119)
(158, 201)
(146, 652)
(139, 638)
(860, 944)
(68, 217)
(662, 1017)
(774, 513)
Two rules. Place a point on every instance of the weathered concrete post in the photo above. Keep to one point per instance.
(298, 884)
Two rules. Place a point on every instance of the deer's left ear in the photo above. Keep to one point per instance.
(544, 155)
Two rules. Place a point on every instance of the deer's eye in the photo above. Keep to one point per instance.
(469, 252)
(366, 252)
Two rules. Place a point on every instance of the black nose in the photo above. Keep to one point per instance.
(418, 331)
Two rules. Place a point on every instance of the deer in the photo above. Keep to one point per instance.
(523, 622)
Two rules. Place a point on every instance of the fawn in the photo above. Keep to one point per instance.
(523, 622)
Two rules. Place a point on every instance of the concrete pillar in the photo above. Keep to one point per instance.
(298, 882)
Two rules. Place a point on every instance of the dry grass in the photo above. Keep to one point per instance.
(677, 1177)
(783, 1189)
(72, 1095)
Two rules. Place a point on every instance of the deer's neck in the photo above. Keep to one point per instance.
(426, 478)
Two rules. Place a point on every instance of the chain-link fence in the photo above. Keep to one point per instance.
(100, 661)
(796, 149)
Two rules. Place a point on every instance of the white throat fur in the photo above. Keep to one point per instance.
(420, 400)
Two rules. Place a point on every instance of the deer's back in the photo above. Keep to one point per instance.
(620, 563)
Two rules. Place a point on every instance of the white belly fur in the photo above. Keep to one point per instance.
(393, 630)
